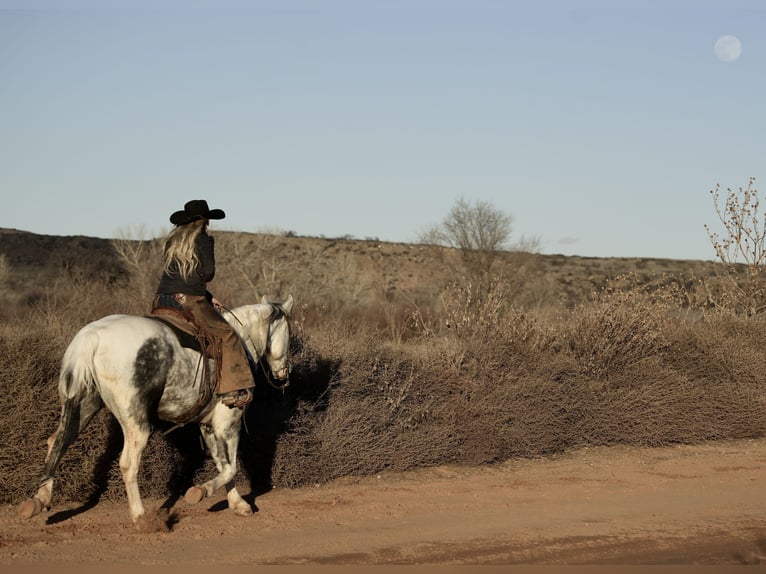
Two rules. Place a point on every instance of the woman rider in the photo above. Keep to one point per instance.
(188, 265)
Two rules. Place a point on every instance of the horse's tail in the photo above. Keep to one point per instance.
(77, 389)
(78, 371)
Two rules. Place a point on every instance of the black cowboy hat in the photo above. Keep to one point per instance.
(193, 210)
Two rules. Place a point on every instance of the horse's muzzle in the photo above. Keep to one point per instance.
(281, 374)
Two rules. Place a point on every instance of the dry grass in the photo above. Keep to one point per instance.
(400, 361)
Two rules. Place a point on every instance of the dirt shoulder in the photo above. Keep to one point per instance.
(618, 505)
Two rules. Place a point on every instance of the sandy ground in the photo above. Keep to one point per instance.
(618, 505)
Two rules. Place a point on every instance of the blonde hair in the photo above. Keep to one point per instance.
(179, 248)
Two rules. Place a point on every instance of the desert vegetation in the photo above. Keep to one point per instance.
(403, 357)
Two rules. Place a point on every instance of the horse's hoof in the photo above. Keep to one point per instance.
(194, 495)
(244, 510)
(30, 507)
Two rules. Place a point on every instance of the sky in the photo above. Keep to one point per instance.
(599, 126)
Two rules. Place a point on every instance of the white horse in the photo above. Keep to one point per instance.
(137, 367)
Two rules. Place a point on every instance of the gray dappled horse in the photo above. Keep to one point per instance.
(137, 367)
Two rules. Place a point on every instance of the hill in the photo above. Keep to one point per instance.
(367, 270)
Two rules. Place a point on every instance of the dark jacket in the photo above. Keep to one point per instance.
(172, 282)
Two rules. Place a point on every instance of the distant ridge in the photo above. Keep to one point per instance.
(36, 259)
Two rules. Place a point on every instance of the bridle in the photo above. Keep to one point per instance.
(276, 313)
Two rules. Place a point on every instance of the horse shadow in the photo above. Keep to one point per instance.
(268, 417)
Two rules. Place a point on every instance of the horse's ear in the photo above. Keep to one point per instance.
(264, 300)
(287, 306)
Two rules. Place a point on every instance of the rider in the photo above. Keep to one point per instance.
(188, 265)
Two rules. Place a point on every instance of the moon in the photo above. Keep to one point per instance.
(728, 48)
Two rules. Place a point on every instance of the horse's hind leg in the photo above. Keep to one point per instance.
(75, 416)
(222, 439)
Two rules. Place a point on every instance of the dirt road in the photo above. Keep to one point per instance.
(677, 505)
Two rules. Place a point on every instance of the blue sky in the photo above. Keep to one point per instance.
(599, 126)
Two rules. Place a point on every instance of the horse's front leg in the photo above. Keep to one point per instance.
(221, 435)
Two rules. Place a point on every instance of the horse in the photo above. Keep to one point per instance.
(137, 367)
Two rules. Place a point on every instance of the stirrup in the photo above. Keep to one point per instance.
(238, 398)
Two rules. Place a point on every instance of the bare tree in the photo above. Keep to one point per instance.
(479, 230)
(478, 227)
(141, 258)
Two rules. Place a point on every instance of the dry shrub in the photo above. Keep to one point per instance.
(5, 276)
(380, 412)
(75, 301)
(27, 399)
(360, 436)
(471, 311)
(475, 378)
(722, 348)
(741, 249)
(617, 330)
(489, 327)
(651, 403)
(440, 399)
(535, 410)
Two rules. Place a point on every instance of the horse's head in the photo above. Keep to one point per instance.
(276, 351)
(265, 329)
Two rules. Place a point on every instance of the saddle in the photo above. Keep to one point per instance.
(189, 335)
(192, 337)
